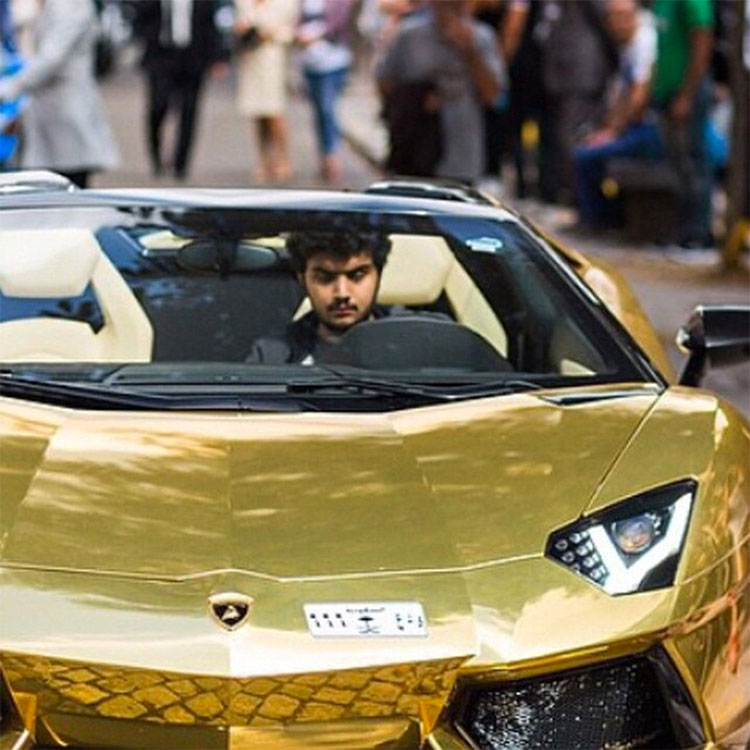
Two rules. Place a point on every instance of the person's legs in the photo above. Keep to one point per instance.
(701, 230)
(189, 88)
(639, 141)
(265, 162)
(279, 145)
(575, 115)
(315, 84)
(158, 105)
(589, 163)
(324, 89)
(517, 116)
(331, 163)
(549, 149)
(493, 141)
(686, 150)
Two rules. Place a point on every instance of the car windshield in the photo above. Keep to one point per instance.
(168, 305)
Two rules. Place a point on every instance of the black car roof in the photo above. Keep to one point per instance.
(256, 199)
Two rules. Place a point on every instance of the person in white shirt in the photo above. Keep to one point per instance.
(628, 129)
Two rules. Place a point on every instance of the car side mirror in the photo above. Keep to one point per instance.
(714, 336)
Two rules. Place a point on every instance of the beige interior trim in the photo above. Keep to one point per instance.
(164, 239)
(46, 262)
(126, 335)
(416, 270)
(46, 340)
(571, 367)
(472, 309)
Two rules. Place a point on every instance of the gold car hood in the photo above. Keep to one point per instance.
(117, 529)
(305, 496)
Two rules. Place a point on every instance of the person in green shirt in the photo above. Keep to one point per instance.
(680, 92)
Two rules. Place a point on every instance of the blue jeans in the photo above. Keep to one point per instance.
(640, 140)
(324, 90)
(687, 151)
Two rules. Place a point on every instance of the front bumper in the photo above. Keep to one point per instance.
(64, 703)
(634, 701)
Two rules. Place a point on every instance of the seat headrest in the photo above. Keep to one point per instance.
(47, 262)
(416, 270)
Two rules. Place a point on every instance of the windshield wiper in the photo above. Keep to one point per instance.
(442, 393)
(68, 394)
(496, 388)
(363, 385)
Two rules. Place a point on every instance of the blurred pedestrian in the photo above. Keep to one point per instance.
(378, 20)
(522, 54)
(577, 58)
(629, 128)
(738, 182)
(492, 13)
(10, 64)
(453, 61)
(182, 40)
(264, 29)
(326, 57)
(681, 91)
(7, 39)
(65, 127)
(24, 14)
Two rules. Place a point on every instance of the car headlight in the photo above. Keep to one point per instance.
(632, 546)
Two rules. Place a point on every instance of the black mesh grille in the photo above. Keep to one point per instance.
(617, 706)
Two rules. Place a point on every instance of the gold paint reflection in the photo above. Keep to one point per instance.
(516, 469)
(393, 693)
(211, 492)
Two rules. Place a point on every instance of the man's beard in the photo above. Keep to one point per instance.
(341, 329)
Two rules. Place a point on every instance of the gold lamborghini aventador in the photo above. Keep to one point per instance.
(330, 470)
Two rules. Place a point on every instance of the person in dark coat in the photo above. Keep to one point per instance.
(182, 40)
(577, 59)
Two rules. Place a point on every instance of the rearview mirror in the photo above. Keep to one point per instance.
(714, 336)
(225, 256)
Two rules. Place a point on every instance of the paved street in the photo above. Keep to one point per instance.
(668, 285)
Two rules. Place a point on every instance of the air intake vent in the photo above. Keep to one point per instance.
(617, 705)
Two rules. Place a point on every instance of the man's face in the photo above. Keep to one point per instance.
(341, 291)
(622, 19)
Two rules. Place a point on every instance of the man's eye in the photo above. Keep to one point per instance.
(358, 275)
(324, 278)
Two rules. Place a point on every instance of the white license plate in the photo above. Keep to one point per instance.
(366, 620)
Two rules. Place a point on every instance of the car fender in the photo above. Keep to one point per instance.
(611, 287)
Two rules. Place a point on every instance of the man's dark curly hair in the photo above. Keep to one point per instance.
(342, 245)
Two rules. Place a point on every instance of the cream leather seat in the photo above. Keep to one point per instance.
(60, 263)
(421, 268)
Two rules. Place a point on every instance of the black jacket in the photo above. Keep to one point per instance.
(208, 44)
(300, 340)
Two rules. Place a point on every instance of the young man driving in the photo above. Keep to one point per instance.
(340, 273)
